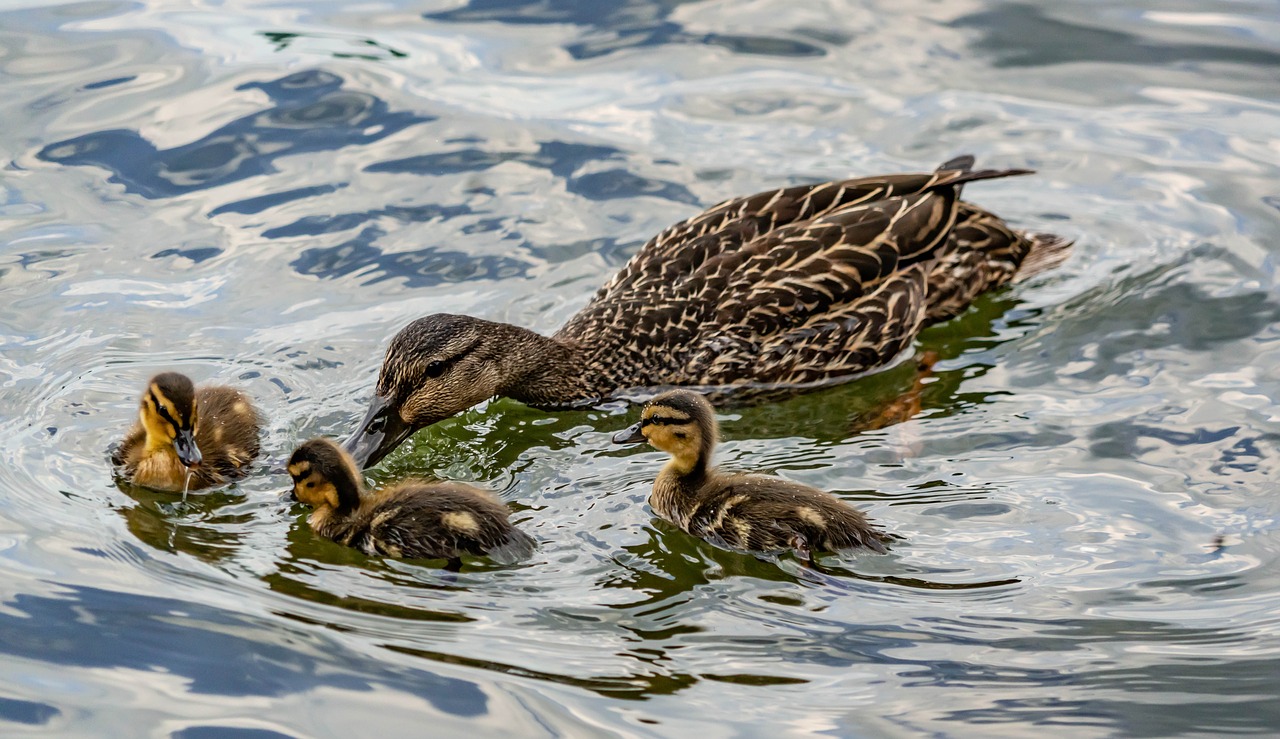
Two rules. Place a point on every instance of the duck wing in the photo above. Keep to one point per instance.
(735, 222)
(826, 296)
(227, 433)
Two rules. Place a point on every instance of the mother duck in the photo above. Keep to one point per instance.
(802, 286)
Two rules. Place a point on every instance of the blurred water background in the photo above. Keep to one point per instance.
(262, 193)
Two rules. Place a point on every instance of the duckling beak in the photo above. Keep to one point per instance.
(380, 432)
(630, 435)
(185, 445)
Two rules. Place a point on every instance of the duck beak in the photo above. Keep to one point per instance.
(185, 445)
(630, 435)
(380, 432)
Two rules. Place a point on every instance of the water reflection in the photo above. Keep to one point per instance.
(338, 45)
(31, 713)
(1059, 479)
(311, 112)
(619, 25)
(205, 526)
(1022, 35)
(238, 655)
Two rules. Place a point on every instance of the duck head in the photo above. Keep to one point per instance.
(169, 415)
(324, 476)
(681, 423)
(435, 367)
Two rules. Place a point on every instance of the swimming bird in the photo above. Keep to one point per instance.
(412, 519)
(754, 513)
(209, 434)
(797, 287)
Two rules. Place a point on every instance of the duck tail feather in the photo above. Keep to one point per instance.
(516, 547)
(964, 163)
(1047, 251)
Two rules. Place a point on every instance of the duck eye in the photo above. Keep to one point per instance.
(435, 369)
(681, 435)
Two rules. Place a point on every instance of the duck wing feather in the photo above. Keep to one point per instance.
(796, 285)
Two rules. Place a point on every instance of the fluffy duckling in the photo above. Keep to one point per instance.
(740, 511)
(208, 433)
(412, 519)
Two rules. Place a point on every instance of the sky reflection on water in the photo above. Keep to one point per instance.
(263, 194)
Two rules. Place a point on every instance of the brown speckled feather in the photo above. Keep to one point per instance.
(420, 520)
(764, 514)
(227, 432)
(797, 285)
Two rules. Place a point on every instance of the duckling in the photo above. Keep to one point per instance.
(208, 433)
(791, 288)
(412, 519)
(746, 512)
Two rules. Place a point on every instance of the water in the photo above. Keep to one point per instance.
(262, 194)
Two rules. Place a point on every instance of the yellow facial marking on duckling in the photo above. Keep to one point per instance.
(299, 469)
(812, 516)
(159, 434)
(158, 395)
(315, 491)
(461, 521)
(674, 432)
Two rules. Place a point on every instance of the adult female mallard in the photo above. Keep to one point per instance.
(754, 513)
(802, 286)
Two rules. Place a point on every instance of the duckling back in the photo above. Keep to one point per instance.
(442, 520)
(763, 514)
(227, 434)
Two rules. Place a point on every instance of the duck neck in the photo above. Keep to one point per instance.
(334, 523)
(350, 495)
(543, 371)
(675, 490)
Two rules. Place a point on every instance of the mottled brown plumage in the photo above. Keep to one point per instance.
(754, 513)
(209, 432)
(789, 288)
(412, 519)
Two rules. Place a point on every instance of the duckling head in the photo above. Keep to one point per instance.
(681, 423)
(324, 476)
(435, 367)
(169, 415)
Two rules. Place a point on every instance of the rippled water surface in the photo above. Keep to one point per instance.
(262, 193)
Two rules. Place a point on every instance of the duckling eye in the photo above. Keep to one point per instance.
(435, 369)
(681, 435)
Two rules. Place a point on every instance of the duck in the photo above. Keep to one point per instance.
(793, 288)
(739, 511)
(189, 438)
(412, 519)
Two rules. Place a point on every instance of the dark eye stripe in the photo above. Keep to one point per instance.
(664, 421)
(445, 364)
(164, 412)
